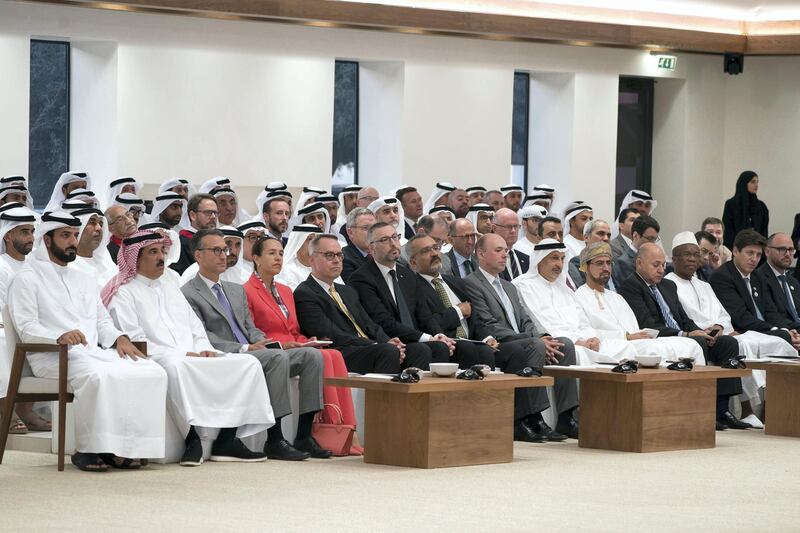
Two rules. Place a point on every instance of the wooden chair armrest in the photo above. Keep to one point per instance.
(28, 348)
(141, 346)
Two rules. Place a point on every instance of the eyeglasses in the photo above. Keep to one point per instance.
(468, 236)
(208, 212)
(428, 249)
(123, 216)
(509, 227)
(253, 237)
(218, 251)
(388, 239)
(781, 250)
(600, 263)
(330, 256)
(370, 198)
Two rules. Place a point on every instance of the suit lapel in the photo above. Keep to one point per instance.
(741, 286)
(316, 287)
(383, 289)
(488, 287)
(269, 301)
(207, 295)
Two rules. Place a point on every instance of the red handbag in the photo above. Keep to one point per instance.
(338, 438)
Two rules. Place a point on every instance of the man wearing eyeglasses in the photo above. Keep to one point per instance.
(506, 224)
(223, 309)
(202, 210)
(359, 220)
(121, 225)
(389, 291)
(463, 238)
(782, 287)
(645, 229)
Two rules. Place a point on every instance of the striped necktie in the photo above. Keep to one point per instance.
(340, 303)
(666, 314)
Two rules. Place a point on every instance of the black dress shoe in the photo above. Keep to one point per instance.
(568, 427)
(541, 427)
(283, 451)
(193, 455)
(721, 426)
(731, 421)
(234, 450)
(523, 432)
(312, 447)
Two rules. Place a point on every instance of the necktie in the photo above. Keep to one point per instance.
(752, 299)
(440, 290)
(226, 307)
(275, 294)
(789, 299)
(506, 301)
(402, 308)
(340, 303)
(666, 314)
(512, 266)
(467, 264)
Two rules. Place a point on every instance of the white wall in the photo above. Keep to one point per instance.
(253, 101)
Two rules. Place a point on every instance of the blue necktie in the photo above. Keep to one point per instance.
(669, 320)
(789, 299)
(752, 299)
(226, 306)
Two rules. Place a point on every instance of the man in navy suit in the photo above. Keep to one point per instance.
(743, 293)
(506, 224)
(462, 238)
(783, 288)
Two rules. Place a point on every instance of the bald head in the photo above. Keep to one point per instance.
(650, 263)
(120, 223)
(780, 251)
(366, 196)
(492, 253)
(506, 224)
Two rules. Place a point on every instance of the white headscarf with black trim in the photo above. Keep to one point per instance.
(163, 201)
(57, 196)
(442, 188)
(315, 207)
(116, 186)
(13, 217)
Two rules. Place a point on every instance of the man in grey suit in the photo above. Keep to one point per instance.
(222, 307)
(625, 223)
(645, 229)
(498, 312)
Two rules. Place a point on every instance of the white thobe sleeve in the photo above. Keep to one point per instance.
(107, 333)
(199, 336)
(123, 311)
(23, 306)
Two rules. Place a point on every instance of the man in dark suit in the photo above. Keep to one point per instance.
(328, 310)
(445, 296)
(411, 201)
(625, 224)
(783, 288)
(359, 220)
(202, 210)
(645, 229)
(506, 224)
(223, 310)
(498, 312)
(654, 301)
(389, 291)
(462, 238)
(743, 292)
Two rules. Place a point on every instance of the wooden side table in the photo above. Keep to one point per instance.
(439, 422)
(650, 411)
(782, 397)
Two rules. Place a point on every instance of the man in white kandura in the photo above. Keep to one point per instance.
(612, 317)
(544, 291)
(93, 257)
(119, 393)
(704, 308)
(207, 388)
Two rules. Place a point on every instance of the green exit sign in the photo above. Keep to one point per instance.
(667, 62)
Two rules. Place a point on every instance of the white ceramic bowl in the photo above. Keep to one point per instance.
(444, 370)
(649, 361)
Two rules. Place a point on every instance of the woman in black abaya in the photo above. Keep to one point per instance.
(745, 210)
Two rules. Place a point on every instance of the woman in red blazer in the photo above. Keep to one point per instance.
(273, 310)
